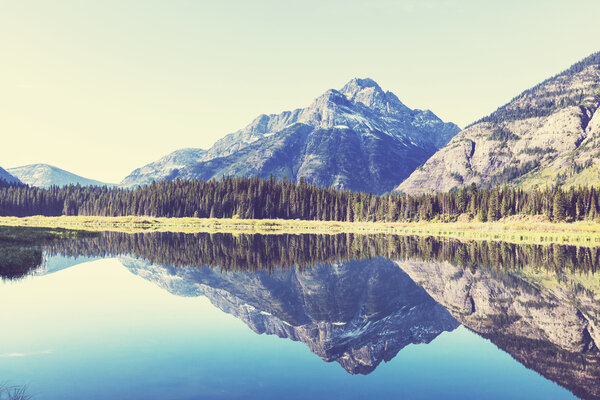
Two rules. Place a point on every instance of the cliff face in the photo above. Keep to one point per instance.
(357, 313)
(549, 134)
(550, 327)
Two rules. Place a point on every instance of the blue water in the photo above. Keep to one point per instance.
(97, 331)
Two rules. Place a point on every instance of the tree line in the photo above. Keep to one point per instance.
(254, 198)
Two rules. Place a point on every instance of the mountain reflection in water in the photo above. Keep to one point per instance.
(360, 299)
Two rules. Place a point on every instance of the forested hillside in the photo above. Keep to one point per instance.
(7, 179)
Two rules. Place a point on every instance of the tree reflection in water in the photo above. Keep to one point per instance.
(359, 299)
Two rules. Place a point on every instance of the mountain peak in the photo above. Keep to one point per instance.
(358, 86)
(41, 166)
(367, 92)
(362, 83)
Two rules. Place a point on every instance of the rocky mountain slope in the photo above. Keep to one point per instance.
(359, 138)
(44, 176)
(356, 313)
(5, 177)
(165, 168)
(549, 134)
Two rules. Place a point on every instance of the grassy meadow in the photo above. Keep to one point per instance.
(17, 235)
(523, 230)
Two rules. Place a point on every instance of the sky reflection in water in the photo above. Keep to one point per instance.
(96, 330)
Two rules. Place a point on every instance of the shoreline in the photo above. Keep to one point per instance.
(515, 231)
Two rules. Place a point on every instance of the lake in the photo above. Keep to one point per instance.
(222, 316)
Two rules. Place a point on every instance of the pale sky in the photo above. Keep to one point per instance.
(100, 88)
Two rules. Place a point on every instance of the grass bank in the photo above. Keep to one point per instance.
(19, 235)
(517, 231)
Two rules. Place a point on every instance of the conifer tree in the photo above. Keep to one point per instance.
(493, 209)
(559, 206)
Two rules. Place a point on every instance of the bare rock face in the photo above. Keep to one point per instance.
(547, 135)
(360, 137)
(357, 313)
(547, 327)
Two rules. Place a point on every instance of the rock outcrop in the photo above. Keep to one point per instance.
(547, 135)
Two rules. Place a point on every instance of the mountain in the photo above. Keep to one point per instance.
(359, 138)
(357, 313)
(165, 168)
(44, 176)
(5, 177)
(549, 134)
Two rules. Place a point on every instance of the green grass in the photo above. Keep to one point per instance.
(514, 230)
(33, 235)
(549, 176)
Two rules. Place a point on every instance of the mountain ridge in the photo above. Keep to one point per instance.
(549, 134)
(45, 175)
(359, 137)
(6, 177)
(167, 165)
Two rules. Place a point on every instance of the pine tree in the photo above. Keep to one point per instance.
(559, 206)
(473, 205)
(505, 209)
(593, 209)
(392, 210)
(349, 211)
(579, 208)
(493, 209)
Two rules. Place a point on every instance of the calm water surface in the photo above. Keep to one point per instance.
(174, 316)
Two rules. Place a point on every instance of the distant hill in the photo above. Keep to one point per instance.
(549, 134)
(360, 138)
(44, 176)
(5, 177)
